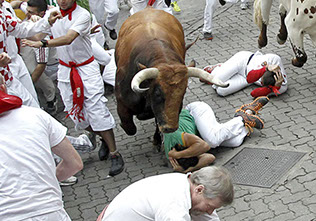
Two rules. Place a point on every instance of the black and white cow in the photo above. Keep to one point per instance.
(298, 17)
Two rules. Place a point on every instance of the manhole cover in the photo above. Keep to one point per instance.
(261, 167)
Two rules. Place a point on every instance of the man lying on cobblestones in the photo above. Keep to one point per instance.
(79, 80)
(173, 196)
(29, 188)
(245, 68)
(198, 132)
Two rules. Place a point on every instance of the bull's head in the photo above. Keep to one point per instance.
(167, 91)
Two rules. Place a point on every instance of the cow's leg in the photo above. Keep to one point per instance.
(263, 40)
(265, 11)
(300, 56)
(157, 138)
(282, 36)
(126, 117)
(296, 36)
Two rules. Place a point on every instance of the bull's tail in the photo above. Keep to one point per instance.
(257, 15)
(189, 45)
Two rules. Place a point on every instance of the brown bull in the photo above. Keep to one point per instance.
(152, 77)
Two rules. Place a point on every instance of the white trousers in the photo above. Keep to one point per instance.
(20, 72)
(229, 134)
(233, 71)
(51, 71)
(209, 10)
(46, 84)
(95, 111)
(138, 5)
(100, 7)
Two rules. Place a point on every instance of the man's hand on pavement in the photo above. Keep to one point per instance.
(175, 165)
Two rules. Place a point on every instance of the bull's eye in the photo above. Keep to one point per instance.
(157, 92)
(158, 96)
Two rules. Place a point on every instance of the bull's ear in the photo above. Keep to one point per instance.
(141, 66)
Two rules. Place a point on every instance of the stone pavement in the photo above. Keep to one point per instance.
(289, 125)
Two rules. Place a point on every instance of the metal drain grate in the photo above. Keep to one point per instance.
(261, 167)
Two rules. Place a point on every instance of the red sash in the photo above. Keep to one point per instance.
(77, 88)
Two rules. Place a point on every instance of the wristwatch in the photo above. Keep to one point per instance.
(45, 43)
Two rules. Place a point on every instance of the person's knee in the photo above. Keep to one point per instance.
(210, 158)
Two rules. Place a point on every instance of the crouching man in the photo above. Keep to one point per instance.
(173, 196)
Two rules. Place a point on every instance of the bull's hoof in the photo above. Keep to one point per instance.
(280, 40)
(262, 42)
(297, 63)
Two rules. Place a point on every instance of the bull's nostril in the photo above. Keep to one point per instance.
(168, 130)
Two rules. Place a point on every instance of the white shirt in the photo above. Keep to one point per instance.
(80, 49)
(162, 197)
(158, 198)
(28, 185)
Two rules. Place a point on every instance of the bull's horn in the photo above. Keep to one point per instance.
(148, 73)
(199, 73)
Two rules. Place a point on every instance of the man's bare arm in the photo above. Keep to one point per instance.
(63, 40)
(71, 161)
(196, 146)
(38, 71)
(205, 159)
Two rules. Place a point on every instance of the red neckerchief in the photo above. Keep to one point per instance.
(9, 102)
(77, 88)
(68, 11)
(151, 2)
(275, 90)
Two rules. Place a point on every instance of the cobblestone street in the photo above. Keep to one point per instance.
(289, 125)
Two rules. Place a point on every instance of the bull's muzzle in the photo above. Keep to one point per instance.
(166, 129)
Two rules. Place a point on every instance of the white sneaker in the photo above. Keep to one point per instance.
(244, 5)
(81, 143)
(68, 182)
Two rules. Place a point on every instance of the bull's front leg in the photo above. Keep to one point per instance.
(126, 117)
